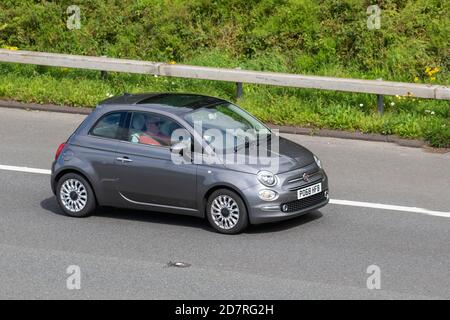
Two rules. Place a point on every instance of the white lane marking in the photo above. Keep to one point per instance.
(24, 169)
(332, 201)
(390, 207)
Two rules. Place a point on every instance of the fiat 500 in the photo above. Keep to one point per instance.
(187, 154)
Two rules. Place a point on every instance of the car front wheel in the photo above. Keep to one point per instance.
(75, 196)
(226, 212)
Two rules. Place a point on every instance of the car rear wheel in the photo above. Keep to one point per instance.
(226, 212)
(75, 196)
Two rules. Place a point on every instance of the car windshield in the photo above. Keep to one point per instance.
(226, 126)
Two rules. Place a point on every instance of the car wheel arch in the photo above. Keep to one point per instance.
(79, 172)
(217, 187)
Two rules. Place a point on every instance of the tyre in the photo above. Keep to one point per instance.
(75, 196)
(226, 212)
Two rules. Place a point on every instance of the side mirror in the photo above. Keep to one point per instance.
(180, 148)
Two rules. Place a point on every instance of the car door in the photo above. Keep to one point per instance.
(97, 151)
(147, 176)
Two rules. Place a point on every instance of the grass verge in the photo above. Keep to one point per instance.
(406, 117)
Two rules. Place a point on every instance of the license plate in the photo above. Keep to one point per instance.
(309, 191)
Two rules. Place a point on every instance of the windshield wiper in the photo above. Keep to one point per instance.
(268, 138)
(248, 143)
(239, 147)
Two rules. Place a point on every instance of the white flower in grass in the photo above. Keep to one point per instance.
(361, 105)
(392, 103)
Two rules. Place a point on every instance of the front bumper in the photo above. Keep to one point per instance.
(258, 216)
(286, 206)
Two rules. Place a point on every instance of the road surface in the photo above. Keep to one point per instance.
(374, 220)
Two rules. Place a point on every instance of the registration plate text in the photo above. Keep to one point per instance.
(309, 191)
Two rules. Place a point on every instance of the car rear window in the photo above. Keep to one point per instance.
(110, 126)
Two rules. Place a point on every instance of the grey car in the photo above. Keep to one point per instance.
(171, 153)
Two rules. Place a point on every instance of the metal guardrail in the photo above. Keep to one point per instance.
(238, 76)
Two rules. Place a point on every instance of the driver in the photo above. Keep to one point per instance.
(153, 126)
(141, 132)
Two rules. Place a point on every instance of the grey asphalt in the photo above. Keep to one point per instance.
(323, 255)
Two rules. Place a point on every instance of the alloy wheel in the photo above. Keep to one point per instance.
(225, 212)
(73, 195)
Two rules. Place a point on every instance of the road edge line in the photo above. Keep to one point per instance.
(389, 207)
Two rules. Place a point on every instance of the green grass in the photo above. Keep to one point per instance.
(318, 37)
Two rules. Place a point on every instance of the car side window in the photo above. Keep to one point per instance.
(151, 129)
(110, 126)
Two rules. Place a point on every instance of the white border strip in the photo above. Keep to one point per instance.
(332, 201)
(24, 169)
(390, 207)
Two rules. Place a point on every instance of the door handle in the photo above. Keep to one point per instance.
(124, 159)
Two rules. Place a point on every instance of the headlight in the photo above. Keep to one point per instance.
(267, 195)
(267, 178)
(319, 164)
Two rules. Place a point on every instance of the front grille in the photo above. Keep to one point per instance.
(301, 204)
(314, 181)
(311, 175)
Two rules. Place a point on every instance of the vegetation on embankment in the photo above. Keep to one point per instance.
(302, 36)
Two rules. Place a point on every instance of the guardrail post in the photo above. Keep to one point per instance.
(380, 102)
(239, 88)
(103, 73)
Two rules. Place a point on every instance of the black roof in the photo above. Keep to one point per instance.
(183, 102)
